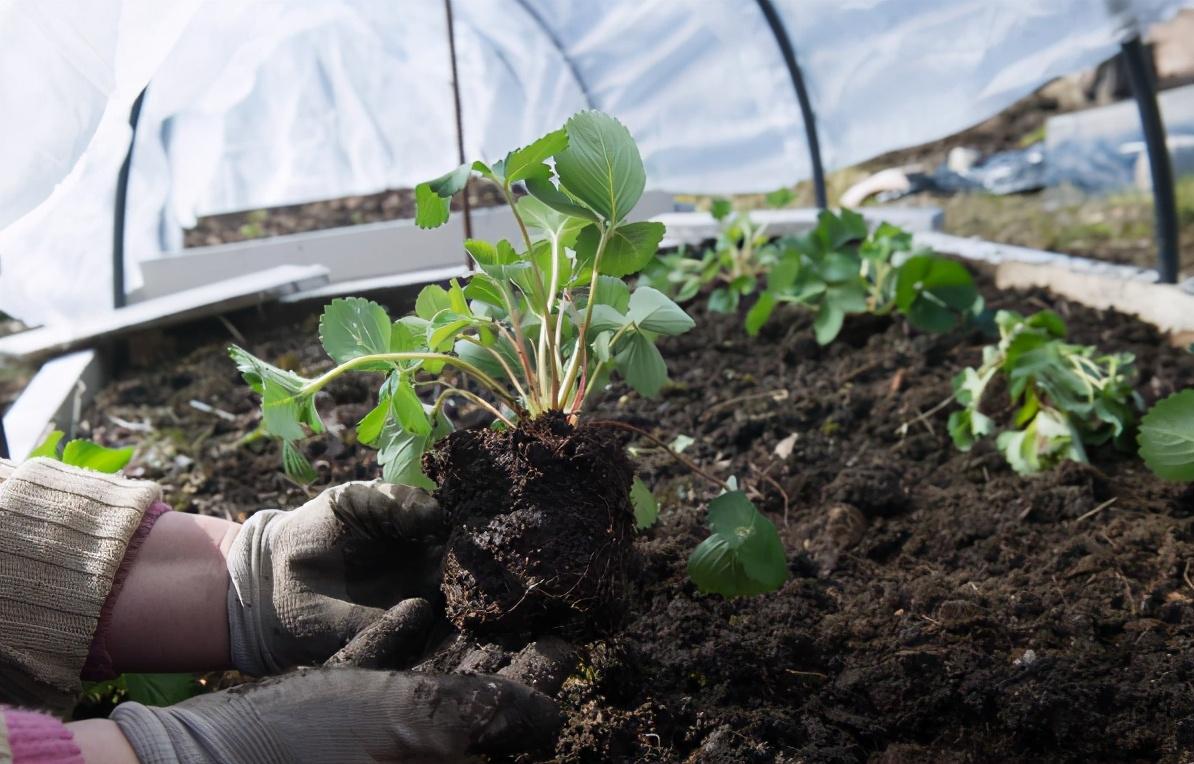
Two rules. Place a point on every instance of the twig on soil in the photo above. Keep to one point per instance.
(775, 484)
(817, 674)
(776, 395)
(236, 335)
(1186, 575)
(1097, 509)
(672, 452)
(902, 430)
(207, 408)
(865, 368)
(144, 426)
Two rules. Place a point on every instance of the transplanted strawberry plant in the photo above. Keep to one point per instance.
(730, 269)
(1061, 397)
(841, 268)
(544, 323)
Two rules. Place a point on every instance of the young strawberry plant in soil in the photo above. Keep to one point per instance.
(941, 607)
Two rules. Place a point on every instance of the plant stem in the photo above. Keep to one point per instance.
(582, 332)
(439, 403)
(501, 360)
(494, 386)
(519, 341)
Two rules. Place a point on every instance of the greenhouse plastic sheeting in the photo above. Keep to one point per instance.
(253, 104)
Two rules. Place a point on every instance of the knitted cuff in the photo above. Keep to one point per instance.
(63, 534)
(99, 660)
(28, 737)
(250, 600)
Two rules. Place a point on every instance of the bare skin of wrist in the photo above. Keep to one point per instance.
(102, 742)
(171, 615)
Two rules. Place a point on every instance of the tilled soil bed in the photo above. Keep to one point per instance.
(940, 607)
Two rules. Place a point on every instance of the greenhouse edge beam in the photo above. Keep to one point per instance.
(1144, 90)
(784, 42)
(119, 288)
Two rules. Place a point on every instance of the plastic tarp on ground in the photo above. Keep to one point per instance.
(257, 104)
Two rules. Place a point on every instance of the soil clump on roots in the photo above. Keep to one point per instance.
(542, 526)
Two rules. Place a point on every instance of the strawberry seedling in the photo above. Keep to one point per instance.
(544, 323)
(1062, 397)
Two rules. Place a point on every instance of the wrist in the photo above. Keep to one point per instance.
(101, 742)
(171, 613)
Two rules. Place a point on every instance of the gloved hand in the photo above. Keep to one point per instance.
(356, 564)
(344, 715)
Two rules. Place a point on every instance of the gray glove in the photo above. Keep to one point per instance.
(344, 715)
(355, 564)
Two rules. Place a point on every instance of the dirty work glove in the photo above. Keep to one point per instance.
(344, 715)
(357, 564)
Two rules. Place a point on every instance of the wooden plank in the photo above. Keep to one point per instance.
(208, 300)
(1165, 306)
(51, 400)
(364, 286)
(352, 253)
(692, 228)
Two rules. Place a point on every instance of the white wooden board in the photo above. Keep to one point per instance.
(211, 299)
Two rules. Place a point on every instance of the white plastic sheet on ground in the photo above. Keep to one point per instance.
(253, 104)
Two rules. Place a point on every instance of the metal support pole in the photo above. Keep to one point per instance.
(806, 109)
(119, 292)
(1144, 89)
(4, 452)
(468, 215)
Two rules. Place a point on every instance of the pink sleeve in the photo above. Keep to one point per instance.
(99, 660)
(34, 738)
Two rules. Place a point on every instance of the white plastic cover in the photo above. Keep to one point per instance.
(258, 104)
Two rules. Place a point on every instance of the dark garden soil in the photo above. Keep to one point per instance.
(542, 527)
(940, 607)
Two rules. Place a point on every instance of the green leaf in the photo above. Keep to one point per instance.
(722, 300)
(369, 428)
(92, 456)
(781, 197)
(839, 267)
(828, 323)
(627, 251)
(433, 198)
(744, 555)
(281, 412)
(408, 409)
(641, 364)
(541, 187)
(646, 507)
(759, 313)
(352, 327)
(601, 165)
(557, 225)
(160, 689)
(431, 210)
(612, 292)
(1166, 437)
(484, 289)
(522, 163)
(606, 318)
(256, 372)
(721, 208)
(400, 453)
(431, 300)
(933, 291)
(652, 311)
(48, 447)
(295, 464)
